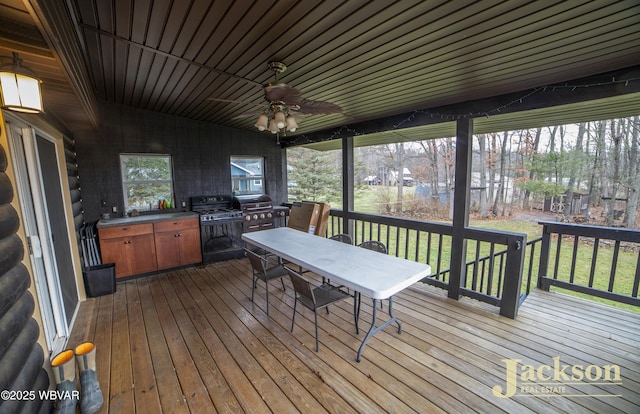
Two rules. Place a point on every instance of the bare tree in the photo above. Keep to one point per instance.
(575, 161)
(633, 180)
(501, 177)
(616, 137)
(532, 150)
(482, 144)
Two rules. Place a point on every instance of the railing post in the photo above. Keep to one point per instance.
(510, 300)
(544, 257)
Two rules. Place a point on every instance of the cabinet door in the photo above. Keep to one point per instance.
(190, 246)
(115, 251)
(142, 254)
(167, 249)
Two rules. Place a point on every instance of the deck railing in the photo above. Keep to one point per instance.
(597, 261)
(495, 259)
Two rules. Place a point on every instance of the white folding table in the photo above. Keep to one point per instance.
(370, 273)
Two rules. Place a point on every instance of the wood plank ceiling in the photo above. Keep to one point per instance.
(372, 58)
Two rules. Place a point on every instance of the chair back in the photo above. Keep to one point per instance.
(256, 262)
(374, 245)
(342, 237)
(301, 285)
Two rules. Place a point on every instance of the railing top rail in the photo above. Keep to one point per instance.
(413, 224)
(494, 236)
(609, 233)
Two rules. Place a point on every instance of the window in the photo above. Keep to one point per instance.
(146, 179)
(247, 175)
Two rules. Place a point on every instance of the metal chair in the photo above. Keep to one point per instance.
(261, 271)
(315, 297)
(342, 237)
(374, 245)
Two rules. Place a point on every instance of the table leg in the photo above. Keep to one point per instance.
(374, 329)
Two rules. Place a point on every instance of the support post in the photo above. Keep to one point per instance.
(461, 195)
(347, 184)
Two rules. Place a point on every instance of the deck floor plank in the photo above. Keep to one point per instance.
(102, 338)
(144, 379)
(193, 388)
(121, 388)
(171, 396)
(249, 353)
(197, 336)
(214, 381)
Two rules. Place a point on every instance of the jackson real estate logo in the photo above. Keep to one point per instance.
(557, 379)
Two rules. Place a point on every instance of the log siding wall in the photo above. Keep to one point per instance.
(21, 357)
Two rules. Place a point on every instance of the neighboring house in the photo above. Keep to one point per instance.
(407, 179)
(246, 178)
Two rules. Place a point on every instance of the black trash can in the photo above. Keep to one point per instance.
(100, 280)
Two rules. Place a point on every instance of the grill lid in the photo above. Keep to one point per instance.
(251, 203)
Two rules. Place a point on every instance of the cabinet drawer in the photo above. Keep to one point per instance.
(172, 225)
(125, 231)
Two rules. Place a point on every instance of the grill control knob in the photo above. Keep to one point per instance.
(255, 217)
(269, 215)
(247, 217)
(262, 215)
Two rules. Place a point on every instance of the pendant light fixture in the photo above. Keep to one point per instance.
(19, 87)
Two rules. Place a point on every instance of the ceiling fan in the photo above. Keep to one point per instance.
(283, 102)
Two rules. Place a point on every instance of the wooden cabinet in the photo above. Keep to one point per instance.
(155, 245)
(132, 248)
(177, 242)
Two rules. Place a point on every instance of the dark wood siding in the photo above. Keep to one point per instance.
(200, 153)
(21, 357)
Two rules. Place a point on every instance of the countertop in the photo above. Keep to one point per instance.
(145, 218)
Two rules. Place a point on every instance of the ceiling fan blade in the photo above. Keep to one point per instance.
(311, 107)
(282, 92)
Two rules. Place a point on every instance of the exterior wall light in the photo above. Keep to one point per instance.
(19, 87)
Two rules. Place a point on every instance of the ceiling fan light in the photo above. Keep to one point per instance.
(261, 123)
(279, 118)
(273, 127)
(292, 125)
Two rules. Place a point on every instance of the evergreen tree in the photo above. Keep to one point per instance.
(313, 176)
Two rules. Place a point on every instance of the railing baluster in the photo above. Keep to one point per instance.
(492, 249)
(558, 247)
(439, 254)
(417, 251)
(501, 275)
(636, 280)
(532, 246)
(476, 265)
(594, 259)
(574, 257)
(614, 265)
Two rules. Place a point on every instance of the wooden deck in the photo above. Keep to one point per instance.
(192, 341)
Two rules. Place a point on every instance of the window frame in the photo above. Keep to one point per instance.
(252, 181)
(125, 183)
